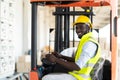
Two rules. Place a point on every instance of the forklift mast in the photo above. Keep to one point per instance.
(63, 9)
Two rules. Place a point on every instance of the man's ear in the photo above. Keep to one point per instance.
(88, 28)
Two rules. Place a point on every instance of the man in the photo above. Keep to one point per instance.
(87, 55)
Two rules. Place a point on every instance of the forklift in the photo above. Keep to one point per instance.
(62, 8)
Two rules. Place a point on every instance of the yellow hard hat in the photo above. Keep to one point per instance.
(83, 19)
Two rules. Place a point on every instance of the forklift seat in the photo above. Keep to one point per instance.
(97, 72)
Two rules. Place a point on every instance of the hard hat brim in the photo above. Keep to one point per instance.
(84, 23)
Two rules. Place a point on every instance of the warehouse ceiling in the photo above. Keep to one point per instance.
(102, 16)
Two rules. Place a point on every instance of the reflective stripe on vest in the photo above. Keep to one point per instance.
(83, 73)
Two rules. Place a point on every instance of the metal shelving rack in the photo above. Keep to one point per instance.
(7, 58)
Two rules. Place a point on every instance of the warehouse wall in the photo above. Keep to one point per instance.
(43, 26)
(26, 25)
(22, 27)
(19, 28)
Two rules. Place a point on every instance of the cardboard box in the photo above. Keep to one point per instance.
(24, 63)
(103, 44)
(119, 52)
(24, 58)
(23, 67)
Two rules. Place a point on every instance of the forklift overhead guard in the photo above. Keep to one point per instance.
(72, 3)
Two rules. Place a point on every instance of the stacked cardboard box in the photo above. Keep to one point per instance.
(102, 42)
(118, 52)
(24, 63)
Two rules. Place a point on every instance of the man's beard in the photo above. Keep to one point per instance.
(81, 34)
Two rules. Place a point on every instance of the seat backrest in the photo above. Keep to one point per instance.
(96, 73)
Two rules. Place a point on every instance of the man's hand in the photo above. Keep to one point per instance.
(51, 58)
(56, 54)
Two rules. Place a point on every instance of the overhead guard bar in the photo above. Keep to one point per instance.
(72, 3)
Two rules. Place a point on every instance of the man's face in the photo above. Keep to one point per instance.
(82, 29)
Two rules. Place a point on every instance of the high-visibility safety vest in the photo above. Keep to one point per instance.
(84, 73)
